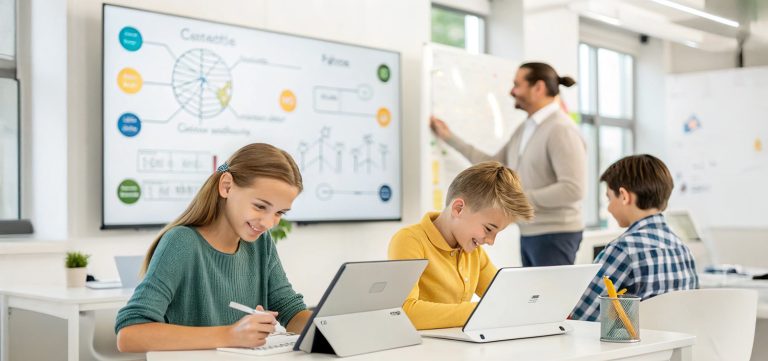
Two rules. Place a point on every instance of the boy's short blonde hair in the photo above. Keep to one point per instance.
(491, 185)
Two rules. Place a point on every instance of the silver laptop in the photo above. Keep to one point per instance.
(127, 268)
(524, 302)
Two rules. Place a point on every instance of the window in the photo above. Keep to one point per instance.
(9, 118)
(457, 28)
(606, 102)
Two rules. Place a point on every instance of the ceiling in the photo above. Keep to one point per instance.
(655, 19)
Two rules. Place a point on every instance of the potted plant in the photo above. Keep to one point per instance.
(280, 230)
(77, 272)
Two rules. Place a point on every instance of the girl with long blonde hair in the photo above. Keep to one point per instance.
(219, 250)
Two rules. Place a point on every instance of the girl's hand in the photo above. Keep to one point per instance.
(252, 330)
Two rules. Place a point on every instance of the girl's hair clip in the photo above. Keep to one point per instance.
(223, 167)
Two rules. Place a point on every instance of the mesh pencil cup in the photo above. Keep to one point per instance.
(620, 318)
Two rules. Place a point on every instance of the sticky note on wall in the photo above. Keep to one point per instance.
(435, 172)
(437, 199)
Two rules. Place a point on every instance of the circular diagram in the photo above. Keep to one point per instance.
(202, 83)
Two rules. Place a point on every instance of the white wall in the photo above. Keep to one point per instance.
(505, 30)
(686, 59)
(650, 98)
(66, 99)
(43, 81)
(755, 54)
(551, 35)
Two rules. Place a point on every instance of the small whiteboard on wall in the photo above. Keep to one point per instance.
(717, 139)
(471, 93)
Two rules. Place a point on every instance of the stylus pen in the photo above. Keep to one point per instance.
(278, 328)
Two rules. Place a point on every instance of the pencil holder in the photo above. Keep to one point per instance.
(620, 318)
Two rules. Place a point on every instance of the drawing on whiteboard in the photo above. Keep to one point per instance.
(692, 124)
(470, 92)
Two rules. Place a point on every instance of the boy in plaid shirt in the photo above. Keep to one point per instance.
(647, 259)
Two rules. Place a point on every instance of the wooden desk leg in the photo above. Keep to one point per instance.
(682, 354)
(4, 326)
(73, 333)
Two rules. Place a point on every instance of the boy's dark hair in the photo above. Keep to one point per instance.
(644, 175)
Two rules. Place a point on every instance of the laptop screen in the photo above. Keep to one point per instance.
(128, 268)
(532, 295)
(682, 224)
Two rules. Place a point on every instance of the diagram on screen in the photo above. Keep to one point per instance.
(324, 155)
(201, 82)
(325, 192)
(363, 156)
(321, 154)
(181, 95)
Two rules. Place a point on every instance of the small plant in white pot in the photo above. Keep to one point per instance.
(77, 272)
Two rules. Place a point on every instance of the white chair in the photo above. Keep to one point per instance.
(723, 320)
(98, 341)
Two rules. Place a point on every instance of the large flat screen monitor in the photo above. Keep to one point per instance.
(180, 95)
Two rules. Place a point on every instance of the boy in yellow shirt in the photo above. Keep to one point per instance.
(482, 201)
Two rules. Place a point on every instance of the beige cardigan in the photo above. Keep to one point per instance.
(552, 169)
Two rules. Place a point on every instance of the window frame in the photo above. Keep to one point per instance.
(596, 121)
(17, 225)
(482, 36)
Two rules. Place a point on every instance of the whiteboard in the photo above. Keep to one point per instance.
(180, 95)
(471, 93)
(716, 145)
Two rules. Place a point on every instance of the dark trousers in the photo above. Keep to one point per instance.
(551, 249)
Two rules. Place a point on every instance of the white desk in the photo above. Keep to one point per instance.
(62, 302)
(707, 280)
(582, 344)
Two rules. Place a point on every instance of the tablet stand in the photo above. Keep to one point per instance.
(363, 332)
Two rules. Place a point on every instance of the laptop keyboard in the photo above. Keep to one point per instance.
(275, 344)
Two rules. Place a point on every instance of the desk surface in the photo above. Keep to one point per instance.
(62, 294)
(583, 343)
(58, 301)
(707, 280)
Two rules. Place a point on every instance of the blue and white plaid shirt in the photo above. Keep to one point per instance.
(647, 260)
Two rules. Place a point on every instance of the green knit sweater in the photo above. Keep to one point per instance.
(190, 283)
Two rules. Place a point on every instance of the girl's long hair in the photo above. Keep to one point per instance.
(257, 160)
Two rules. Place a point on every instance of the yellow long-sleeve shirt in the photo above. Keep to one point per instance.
(442, 297)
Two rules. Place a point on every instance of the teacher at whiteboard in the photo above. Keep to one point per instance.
(549, 154)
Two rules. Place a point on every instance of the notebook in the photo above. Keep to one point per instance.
(277, 343)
